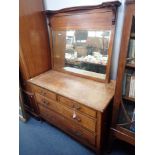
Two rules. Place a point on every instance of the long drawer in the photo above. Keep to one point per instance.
(68, 126)
(44, 92)
(79, 107)
(79, 118)
(73, 115)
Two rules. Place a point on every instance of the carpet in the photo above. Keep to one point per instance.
(40, 138)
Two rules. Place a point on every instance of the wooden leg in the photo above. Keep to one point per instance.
(98, 152)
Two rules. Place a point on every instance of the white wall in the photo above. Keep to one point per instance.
(117, 39)
(60, 4)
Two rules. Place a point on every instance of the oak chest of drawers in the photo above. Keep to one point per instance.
(79, 111)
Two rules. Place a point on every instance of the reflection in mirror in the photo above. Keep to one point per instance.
(84, 52)
(87, 52)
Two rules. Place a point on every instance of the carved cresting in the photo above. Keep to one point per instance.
(113, 5)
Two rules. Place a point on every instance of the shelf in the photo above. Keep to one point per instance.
(129, 98)
(74, 62)
(124, 130)
(130, 65)
(124, 134)
(86, 62)
(132, 35)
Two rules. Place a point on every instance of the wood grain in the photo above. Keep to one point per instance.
(34, 43)
(70, 127)
(34, 52)
(80, 119)
(78, 89)
(77, 106)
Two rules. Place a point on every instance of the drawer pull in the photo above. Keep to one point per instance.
(77, 107)
(77, 133)
(76, 118)
(45, 102)
(43, 93)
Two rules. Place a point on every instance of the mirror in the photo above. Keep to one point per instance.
(83, 52)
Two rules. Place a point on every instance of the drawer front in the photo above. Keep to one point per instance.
(53, 105)
(77, 106)
(79, 118)
(68, 126)
(81, 133)
(45, 92)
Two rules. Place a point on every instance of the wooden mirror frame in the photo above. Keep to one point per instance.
(98, 17)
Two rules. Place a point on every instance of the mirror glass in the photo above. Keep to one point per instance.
(84, 51)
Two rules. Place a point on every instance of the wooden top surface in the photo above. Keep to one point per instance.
(91, 93)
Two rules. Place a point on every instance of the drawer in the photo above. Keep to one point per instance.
(77, 106)
(81, 133)
(53, 105)
(79, 118)
(45, 92)
(68, 126)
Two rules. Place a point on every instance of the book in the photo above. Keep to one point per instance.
(128, 84)
(124, 84)
(131, 48)
(131, 51)
(133, 92)
(128, 79)
(132, 35)
(132, 87)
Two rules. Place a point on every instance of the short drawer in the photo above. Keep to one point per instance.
(68, 126)
(45, 92)
(81, 119)
(53, 105)
(77, 106)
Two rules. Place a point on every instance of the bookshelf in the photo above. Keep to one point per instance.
(129, 98)
(130, 65)
(123, 113)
